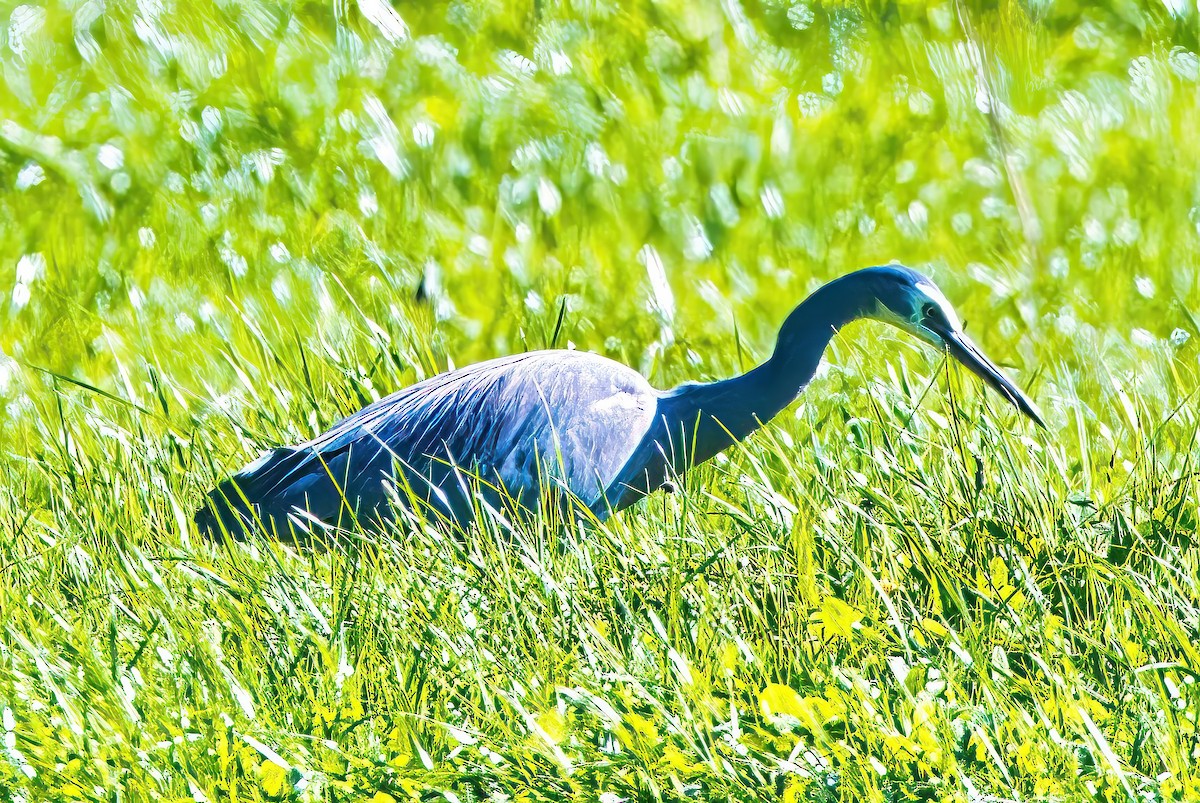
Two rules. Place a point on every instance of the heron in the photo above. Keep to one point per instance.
(589, 428)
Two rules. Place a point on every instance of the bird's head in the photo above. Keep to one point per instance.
(914, 303)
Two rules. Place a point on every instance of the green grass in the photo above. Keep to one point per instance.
(214, 221)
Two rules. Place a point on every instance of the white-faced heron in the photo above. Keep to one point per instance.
(589, 429)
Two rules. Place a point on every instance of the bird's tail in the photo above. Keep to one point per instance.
(241, 502)
(224, 514)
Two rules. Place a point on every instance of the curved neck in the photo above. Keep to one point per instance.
(806, 332)
(707, 418)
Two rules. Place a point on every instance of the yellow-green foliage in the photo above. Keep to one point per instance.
(225, 224)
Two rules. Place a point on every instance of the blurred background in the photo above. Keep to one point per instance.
(391, 191)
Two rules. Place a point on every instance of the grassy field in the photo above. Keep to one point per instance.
(225, 225)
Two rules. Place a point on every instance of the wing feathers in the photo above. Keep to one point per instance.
(571, 417)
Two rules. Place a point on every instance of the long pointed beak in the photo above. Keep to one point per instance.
(966, 352)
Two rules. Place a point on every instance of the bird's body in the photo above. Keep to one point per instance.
(506, 422)
(573, 427)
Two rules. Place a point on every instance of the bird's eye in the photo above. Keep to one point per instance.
(929, 312)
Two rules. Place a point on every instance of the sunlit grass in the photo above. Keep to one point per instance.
(226, 226)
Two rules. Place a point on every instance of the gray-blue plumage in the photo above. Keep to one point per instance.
(563, 426)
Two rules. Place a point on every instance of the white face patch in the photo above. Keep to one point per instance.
(937, 297)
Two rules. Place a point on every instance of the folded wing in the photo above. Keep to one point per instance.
(506, 429)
